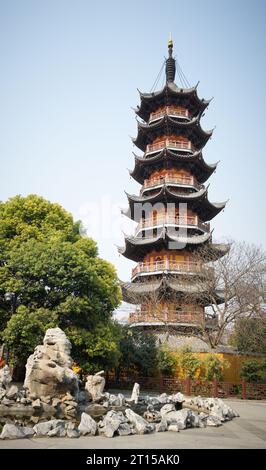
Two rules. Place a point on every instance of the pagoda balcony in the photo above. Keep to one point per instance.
(182, 316)
(159, 221)
(168, 266)
(188, 181)
(170, 111)
(170, 144)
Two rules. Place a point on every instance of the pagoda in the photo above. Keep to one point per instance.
(172, 211)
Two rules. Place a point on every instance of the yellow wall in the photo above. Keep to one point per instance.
(232, 373)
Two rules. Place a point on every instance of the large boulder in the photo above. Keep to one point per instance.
(114, 422)
(140, 424)
(48, 369)
(95, 386)
(14, 431)
(87, 425)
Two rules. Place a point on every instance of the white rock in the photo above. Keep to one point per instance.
(5, 377)
(124, 429)
(162, 426)
(87, 425)
(13, 431)
(135, 393)
(213, 421)
(167, 409)
(140, 424)
(95, 385)
(48, 369)
(177, 398)
(173, 427)
(43, 428)
(111, 423)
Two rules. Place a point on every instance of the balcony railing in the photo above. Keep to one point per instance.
(186, 316)
(146, 268)
(170, 179)
(171, 144)
(190, 221)
(168, 110)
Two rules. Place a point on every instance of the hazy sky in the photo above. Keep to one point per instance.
(69, 77)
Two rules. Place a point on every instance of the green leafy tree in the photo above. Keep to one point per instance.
(250, 335)
(253, 370)
(188, 362)
(24, 331)
(213, 367)
(47, 264)
(166, 362)
(138, 353)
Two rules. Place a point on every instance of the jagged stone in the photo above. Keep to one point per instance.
(194, 420)
(56, 402)
(135, 393)
(164, 398)
(177, 398)
(48, 369)
(111, 423)
(67, 397)
(12, 392)
(35, 419)
(140, 424)
(152, 416)
(180, 417)
(87, 425)
(43, 428)
(124, 429)
(5, 401)
(95, 386)
(36, 404)
(173, 428)
(5, 377)
(161, 427)
(58, 431)
(167, 409)
(2, 393)
(213, 421)
(95, 410)
(73, 433)
(14, 431)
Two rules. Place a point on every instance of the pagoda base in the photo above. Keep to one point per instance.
(175, 335)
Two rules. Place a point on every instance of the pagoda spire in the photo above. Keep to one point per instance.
(170, 62)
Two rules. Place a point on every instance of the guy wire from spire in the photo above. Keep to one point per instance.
(158, 77)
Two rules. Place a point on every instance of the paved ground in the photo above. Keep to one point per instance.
(246, 432)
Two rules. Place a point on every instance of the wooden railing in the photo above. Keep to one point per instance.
(174, 144)
(170, 179)
(219, 389)
(182, 316)
(168, 265)
(168, 110)
(172, 220)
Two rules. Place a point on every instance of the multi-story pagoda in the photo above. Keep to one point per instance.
(172, 211)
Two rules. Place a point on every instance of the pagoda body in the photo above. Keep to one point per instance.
(172, 211)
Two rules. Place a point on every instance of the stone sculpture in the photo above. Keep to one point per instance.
(48, 369)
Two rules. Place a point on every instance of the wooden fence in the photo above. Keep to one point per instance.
(215, 388)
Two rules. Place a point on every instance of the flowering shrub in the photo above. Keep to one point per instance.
(76, 368)
(2, 362)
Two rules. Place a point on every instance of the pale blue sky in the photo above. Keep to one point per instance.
(69, 76)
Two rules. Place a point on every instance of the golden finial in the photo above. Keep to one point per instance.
(170, 42)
